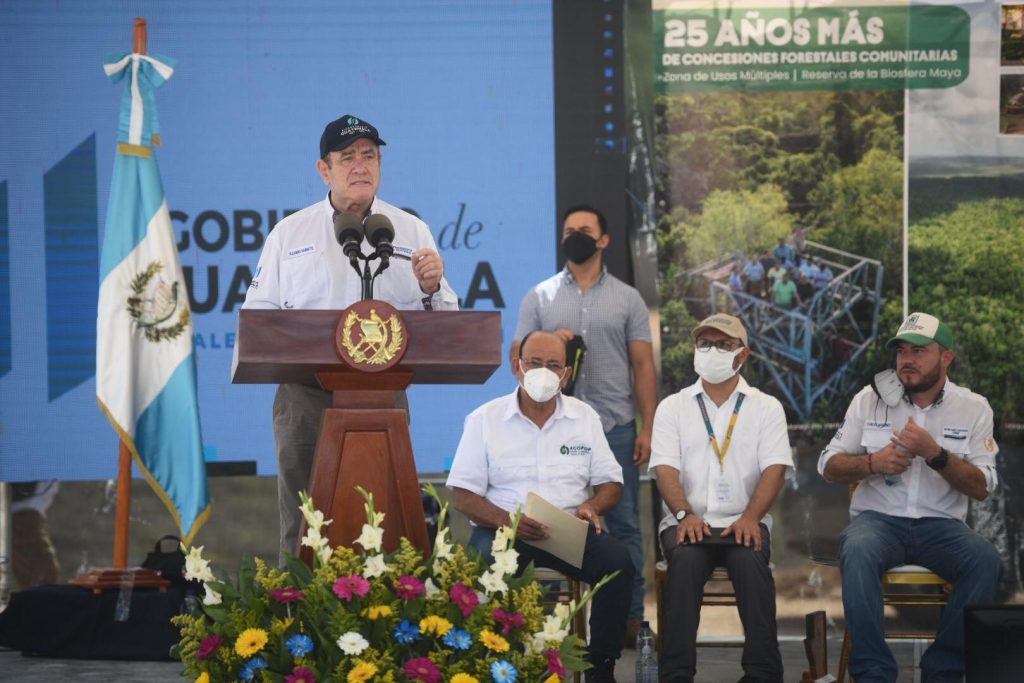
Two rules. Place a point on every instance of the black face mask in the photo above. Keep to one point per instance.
(578, 247)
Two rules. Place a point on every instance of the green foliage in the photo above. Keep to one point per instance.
(747, 221)
(967, 268)
(676, 346)
(860, 209)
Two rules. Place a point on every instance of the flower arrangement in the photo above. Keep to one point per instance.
(367, 615)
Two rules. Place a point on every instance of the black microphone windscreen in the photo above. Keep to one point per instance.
(379, 229)
(348, 228)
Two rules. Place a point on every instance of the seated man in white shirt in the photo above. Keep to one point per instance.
(720, 451)
(920, 446)
(535, 439)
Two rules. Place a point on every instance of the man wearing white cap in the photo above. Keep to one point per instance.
(920, 446)
(720, 450)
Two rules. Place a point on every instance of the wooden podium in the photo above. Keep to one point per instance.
(364, 437)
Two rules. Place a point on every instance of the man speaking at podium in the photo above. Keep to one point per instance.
(302, 266)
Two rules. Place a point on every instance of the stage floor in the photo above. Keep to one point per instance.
(715, 665)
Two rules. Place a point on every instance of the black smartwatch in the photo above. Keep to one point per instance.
(940, 460)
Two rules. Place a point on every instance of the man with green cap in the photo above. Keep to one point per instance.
(919, 454)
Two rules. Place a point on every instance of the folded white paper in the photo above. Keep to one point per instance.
(567, 534)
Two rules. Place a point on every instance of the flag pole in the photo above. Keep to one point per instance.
(124, 467)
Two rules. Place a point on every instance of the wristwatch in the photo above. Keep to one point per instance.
(940, 460)
(681, 514)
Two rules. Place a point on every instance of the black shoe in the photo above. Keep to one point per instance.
(601, 671)
(754, 679)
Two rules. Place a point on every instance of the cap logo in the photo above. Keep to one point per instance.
(352, 121)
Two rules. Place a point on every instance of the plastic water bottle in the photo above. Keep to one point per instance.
(646, 659)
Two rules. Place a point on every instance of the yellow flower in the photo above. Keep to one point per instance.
(553, 678)
(463, 678)
(279, 626)
(363, 671)
(492, 641)
(376, 611)
(435, 624)
(203, 678)
(250, 642)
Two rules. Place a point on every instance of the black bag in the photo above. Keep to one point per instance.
(574, 351)
(169, 564)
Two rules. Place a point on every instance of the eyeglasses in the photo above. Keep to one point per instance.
(726, 345)
(536, 363)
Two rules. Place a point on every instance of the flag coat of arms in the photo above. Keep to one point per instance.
(145, 361)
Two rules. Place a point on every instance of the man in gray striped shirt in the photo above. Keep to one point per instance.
(618, 370)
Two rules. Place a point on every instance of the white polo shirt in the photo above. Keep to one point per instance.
(715, 493)
(960, 421)
(303, 266)
(503, 455)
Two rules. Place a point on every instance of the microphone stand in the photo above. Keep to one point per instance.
(365, 277)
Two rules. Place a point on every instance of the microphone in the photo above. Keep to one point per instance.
(381, 233)
(348, 230)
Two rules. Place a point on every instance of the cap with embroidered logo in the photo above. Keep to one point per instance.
(727, 324)
(921, 329)
(342, 132)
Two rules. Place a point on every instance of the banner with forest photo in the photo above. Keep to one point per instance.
(842, 130)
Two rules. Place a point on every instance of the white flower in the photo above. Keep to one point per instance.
(563, 610)
(375, 567)
(536, 644)
(313, 538)
(196, 568)
(442, 547)
(433, 592)
(352, 643)
(324, 553)
(482, 597)
(503, 539)
(315, 518)
(372, 538)
(212, 597)
(493, 582)
(506, 562)
(553, 630)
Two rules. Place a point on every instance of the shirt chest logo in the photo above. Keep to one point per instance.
(955, 433)
(302, 251)
(575, 450)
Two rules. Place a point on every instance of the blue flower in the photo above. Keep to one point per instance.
(406, 633)
(503, 672)
(248, 671)
(457, 639)
(299, 645)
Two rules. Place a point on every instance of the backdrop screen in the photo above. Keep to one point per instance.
(461, 92)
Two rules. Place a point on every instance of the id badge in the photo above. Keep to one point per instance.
(723, 492)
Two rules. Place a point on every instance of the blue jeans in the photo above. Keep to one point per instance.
(623, 521)
(875, 542)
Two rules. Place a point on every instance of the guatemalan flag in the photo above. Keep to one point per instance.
(145, 363)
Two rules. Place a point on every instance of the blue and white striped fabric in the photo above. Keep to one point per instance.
(145, 362)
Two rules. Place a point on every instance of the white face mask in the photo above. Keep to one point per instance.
(714, 366)
(541, 384)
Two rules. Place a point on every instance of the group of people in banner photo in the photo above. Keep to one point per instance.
(916, 446)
